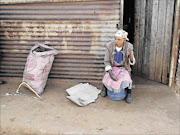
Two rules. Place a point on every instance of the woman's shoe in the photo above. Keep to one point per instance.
(129, 98)
(104, 91)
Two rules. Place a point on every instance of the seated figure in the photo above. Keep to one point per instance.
(118, 57)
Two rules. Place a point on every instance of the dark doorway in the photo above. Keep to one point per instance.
(128, 19)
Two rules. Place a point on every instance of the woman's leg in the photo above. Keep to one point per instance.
(128, 96)
(104, 91)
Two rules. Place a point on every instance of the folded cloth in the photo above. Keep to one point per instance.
(83, 94)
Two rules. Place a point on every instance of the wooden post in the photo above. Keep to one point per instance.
(121, 14)
(154, 32)
(142, 27)
(136, 34)
(175, 44)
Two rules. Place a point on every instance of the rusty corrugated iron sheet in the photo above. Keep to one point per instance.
(78, 30)
(35, 1)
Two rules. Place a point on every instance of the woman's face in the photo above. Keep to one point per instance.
(119, 41)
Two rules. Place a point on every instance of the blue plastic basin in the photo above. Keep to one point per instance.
(117, 96)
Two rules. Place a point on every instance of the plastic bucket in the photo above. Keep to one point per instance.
(117, 95)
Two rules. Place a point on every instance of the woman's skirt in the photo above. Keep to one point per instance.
(123, 80)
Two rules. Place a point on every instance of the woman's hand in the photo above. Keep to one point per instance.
(130, 54)
(112, 75)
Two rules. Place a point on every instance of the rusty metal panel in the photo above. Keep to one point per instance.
(36, 1)
(78, 30)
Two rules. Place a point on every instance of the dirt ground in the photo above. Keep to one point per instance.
(154, 111)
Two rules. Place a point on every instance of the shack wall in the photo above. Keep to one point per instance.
(153, 38)
(78, 29)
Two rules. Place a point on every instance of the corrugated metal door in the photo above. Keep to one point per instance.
(78, 30)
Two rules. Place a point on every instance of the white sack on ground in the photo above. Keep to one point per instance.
(38, 66)
(83, 94)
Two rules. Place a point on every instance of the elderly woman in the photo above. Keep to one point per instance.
(118, 58)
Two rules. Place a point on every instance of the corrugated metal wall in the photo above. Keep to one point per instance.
(152, 45)
(78, 30)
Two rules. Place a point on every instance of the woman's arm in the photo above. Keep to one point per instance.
(131, 57)
(107, 59)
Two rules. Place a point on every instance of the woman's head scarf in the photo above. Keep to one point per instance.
(122, 34)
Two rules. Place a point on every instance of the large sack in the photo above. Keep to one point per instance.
(38, 66)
